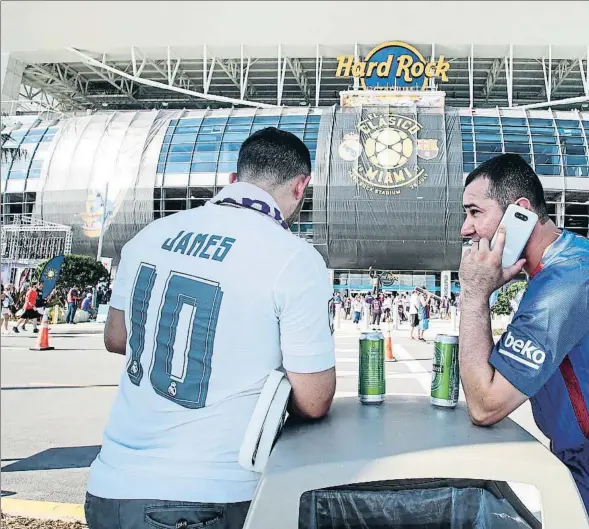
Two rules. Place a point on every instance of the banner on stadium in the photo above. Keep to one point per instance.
(390, 182)
(50, 274)
(397, 98)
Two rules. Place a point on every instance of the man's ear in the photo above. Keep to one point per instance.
(524, 203)
(300, 184)
(232, 178)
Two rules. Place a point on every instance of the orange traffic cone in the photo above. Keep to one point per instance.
(388, 347)
(43, 340)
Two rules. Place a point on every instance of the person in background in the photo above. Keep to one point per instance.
(414, 304)
(398, 306)
(357, 307)
(444, 308)
(405, 305)
(73, 296)
(7, 303)
(29, 310)
(99, 297)
(87, 306)
(424, 314)
(376, 310)
(387, 305)
(348, 307)
(40, 303)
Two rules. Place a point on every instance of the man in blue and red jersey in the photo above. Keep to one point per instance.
(544, 354)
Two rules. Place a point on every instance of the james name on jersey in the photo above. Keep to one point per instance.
(200, 245)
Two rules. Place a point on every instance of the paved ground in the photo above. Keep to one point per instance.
(55, 403)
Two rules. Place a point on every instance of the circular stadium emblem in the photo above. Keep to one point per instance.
(388, 148)
(386, 153)
(350, 149)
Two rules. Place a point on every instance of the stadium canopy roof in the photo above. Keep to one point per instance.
(133, 55)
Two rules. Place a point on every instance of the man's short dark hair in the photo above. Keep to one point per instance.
(272, 156)
(511, 177)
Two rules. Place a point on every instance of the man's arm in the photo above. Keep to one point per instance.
(302, 294)
(312, 393)
(115, 332)
(490, 397)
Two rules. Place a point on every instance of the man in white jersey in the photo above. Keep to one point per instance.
(206, 303)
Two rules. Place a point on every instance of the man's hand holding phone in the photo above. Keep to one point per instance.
(481, 271)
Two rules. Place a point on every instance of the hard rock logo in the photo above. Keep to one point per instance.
(386, 150)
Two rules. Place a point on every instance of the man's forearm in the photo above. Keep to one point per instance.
(476, 344)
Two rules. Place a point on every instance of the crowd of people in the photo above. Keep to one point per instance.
(31, 311)
(16, 316)
(416, 307)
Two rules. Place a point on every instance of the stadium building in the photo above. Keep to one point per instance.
(123, 112)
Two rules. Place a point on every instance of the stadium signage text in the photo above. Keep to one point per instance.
(385, 150)
(393, 65)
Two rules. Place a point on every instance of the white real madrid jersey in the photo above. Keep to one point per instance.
(215, 298)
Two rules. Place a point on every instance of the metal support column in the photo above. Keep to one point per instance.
(509, 75)
(471, 75)
(281, 73)
(432, 80)
(560, 153)
(529, 132)
(356, 59)
(318, 72)
(548, 74)
(243, 78)
(585, 72)
(103, 222)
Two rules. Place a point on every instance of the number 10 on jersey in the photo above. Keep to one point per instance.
(185, 334)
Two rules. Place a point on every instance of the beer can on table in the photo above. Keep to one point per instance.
(445, 372)
(371, 374)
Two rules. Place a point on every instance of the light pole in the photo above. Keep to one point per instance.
(103, 222)
(101, 237)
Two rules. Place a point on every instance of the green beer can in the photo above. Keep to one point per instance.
(445, 372)
(371, 376)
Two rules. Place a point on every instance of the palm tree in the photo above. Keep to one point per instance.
(11, 153)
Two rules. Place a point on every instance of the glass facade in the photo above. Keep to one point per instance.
(196, 149)
(22, 172)
(554, 143)
(398, 281)
(199, 151)
(185, 159)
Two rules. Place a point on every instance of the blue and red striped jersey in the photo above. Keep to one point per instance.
(544, 352)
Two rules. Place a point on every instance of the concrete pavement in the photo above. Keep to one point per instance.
(55, 404)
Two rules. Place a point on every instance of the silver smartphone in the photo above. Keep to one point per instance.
(519, 224)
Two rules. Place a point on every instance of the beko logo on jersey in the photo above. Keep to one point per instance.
(527, 353)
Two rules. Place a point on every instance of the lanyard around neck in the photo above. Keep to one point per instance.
(259, 206)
